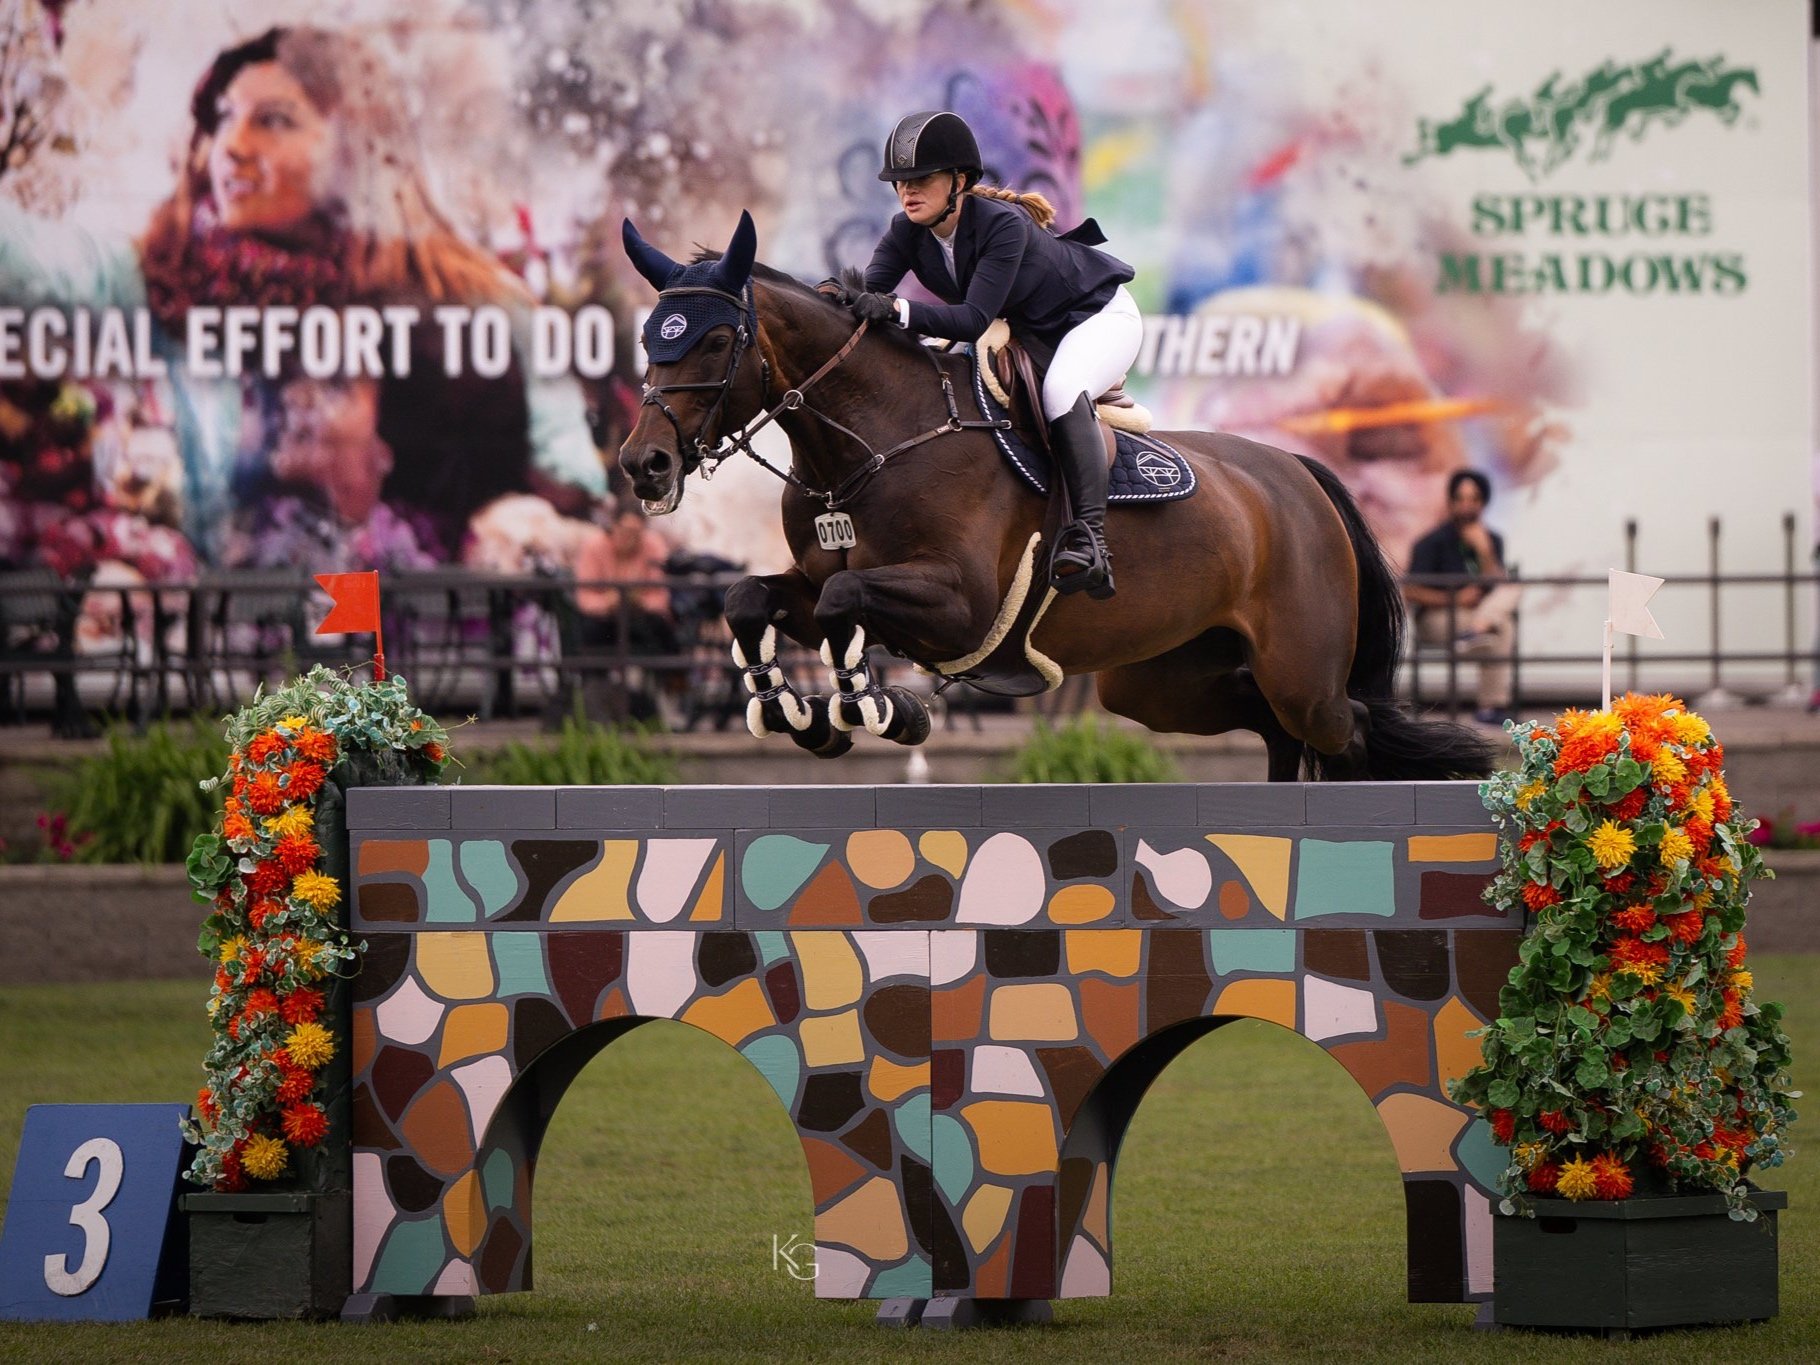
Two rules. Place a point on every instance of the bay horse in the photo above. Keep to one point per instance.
(1261, 602)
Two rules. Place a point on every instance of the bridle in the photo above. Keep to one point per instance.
(697, 453)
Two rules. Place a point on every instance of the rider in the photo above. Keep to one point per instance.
(987, 253)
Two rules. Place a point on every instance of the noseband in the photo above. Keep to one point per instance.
(695, 451)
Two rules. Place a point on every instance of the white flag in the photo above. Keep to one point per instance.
(1630, 594)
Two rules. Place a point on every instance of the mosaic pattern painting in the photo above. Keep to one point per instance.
(958, 994)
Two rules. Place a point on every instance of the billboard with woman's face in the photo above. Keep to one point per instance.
(340, 287)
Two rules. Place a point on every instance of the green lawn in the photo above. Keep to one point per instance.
(1248, 1224)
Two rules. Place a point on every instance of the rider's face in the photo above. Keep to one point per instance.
(926, 198)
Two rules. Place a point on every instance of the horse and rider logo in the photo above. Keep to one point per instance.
(673, 326)
(1545, 128)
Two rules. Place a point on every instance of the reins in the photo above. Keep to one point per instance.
(793, 400)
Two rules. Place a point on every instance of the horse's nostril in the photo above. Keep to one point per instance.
(658, 463)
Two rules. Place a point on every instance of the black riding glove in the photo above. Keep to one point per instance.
(875, 307)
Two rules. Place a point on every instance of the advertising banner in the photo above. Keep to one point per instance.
(338, 286)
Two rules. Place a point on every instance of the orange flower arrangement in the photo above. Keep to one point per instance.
(272, 931)
(1629, 1041)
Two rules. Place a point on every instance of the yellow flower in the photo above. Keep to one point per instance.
(230, 948)
(294, 820)
(1528, 794)
(1529, 1155)
(1741, 980)
(1611, 845)
(1728, 865)
(1577, 1180)
(1667, 769)
(1599, 988)
(307, 951)
(323, 892)
(1646, 972)
(310, 1046)
(293, 723)
(1702, 804)
(1689, 728)
(1678, 992)
(265, 1157)
(1676, 847)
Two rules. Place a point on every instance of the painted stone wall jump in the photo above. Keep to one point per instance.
(959, 994)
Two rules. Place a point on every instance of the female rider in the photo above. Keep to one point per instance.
(988, 253)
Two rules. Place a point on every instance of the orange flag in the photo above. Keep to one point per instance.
(356, 599)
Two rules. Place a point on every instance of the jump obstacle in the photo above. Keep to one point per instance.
(959, 994)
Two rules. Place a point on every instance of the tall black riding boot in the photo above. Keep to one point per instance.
(1081, 559)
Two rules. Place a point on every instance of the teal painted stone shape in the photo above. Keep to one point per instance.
(519, 958)
(413, 1254)
(1480, 1156)
(1349, 878)
(779, 1063)
(445, 900)
(776, 866)
(913, 1279)
(953, 1157)
(490, 872)
(1252, 950)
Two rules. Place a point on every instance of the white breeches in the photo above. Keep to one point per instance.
(1095, 355)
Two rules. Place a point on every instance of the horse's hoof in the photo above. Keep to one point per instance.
(909, 719)
(820, 737)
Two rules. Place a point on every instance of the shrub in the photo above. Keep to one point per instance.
(583, 754)
(138, 800)
(1088, 750)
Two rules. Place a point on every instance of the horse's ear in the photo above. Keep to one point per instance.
(657, 268)
(735, 266)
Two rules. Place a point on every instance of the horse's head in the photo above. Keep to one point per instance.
(701, 383)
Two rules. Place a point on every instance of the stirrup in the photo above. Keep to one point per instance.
(1081, 547)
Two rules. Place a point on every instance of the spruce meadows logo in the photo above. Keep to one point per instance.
(1545, 128)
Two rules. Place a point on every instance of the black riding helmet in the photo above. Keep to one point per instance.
(934, 140)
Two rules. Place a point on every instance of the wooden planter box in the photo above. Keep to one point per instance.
(1618, 1265)
(283, 1255)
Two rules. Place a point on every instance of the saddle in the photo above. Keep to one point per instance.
(1013, 375)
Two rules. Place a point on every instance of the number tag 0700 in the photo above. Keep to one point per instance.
(91, 1230)
(835, 531)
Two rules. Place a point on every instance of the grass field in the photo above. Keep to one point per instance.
(1258, 1216)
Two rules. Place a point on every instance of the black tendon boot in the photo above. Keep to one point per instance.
(1081, 559)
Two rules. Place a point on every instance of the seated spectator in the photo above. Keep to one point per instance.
(1481, 613)
(626, 551)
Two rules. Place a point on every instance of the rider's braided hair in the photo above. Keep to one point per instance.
(1029, 201)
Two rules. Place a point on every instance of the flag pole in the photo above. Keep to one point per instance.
(1606, 675)
(379, 650)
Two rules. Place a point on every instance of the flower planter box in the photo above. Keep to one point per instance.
(285, 1255)
(1619, 1265)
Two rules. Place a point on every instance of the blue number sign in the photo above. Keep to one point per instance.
(91, 1228)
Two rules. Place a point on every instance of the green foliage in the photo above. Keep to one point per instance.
(1629, 1044)
(582, 754)
(1088, 750)
(139, 799)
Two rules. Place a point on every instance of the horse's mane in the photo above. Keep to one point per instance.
(849, 278)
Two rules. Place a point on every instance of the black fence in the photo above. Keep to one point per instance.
(519, 645)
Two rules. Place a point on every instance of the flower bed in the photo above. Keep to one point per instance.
(1629, 1053)
(273, 931)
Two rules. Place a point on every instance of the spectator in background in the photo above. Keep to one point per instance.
(1480, 614)
(626, 550)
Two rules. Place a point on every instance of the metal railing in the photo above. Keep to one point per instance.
(511, 645)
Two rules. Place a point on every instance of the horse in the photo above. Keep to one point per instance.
(1261, 602)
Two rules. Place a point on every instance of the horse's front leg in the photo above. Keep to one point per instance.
(925, 599)
(756, 608)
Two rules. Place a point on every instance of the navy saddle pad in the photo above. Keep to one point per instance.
(1145, 470)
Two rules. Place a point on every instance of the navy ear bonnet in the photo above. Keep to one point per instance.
(694, 299)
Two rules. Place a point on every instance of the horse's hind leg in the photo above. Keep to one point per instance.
(755, 608)
(1307, 692)
(1199, 689)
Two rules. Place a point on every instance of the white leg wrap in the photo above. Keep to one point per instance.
(755, 718)
(796, 712)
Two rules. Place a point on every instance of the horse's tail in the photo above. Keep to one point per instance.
(1399, 747)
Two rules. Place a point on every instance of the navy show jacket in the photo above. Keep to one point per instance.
(1042, 284)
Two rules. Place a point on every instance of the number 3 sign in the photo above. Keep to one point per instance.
(91, 1231)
